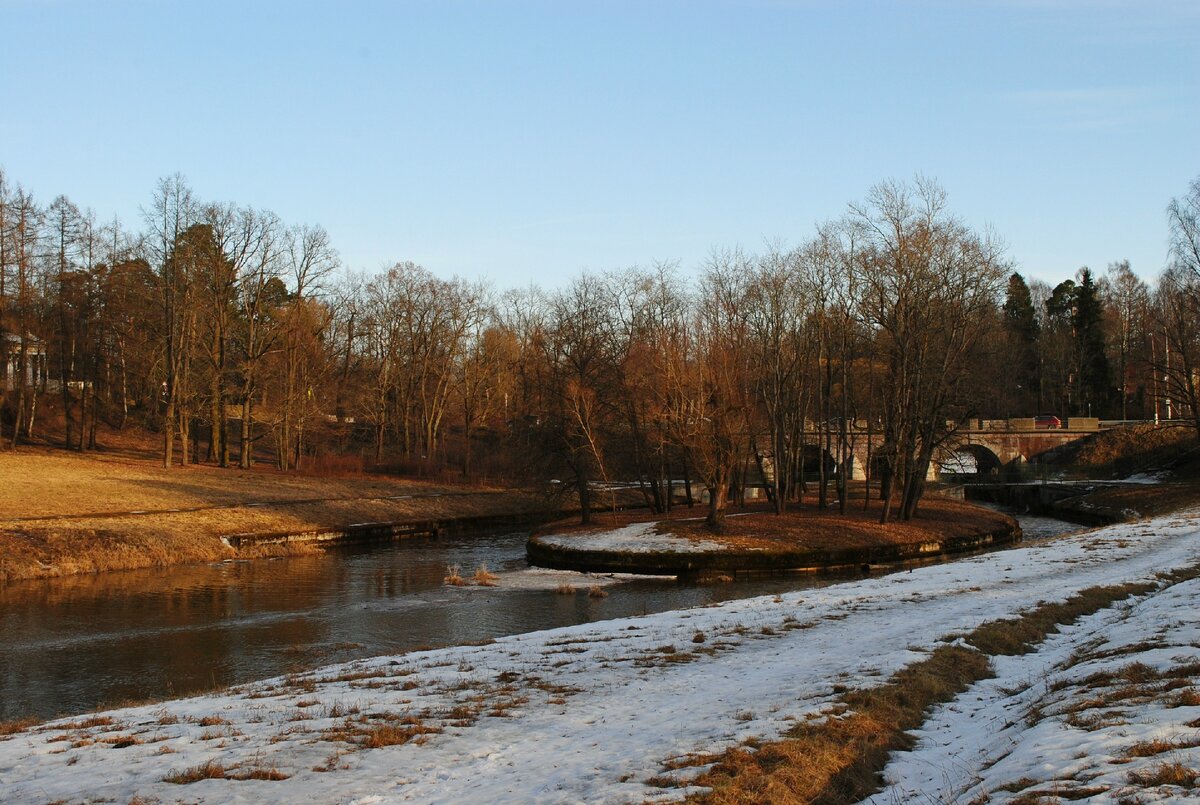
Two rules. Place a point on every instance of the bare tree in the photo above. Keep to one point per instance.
(777, 314)
(24, 240)
(172, 214)
(1130, 302)
(709, 382)
(929, 286)
(309, 259)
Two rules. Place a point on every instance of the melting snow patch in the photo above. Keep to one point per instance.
(635, 538)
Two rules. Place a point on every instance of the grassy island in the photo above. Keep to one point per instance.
(758, 540)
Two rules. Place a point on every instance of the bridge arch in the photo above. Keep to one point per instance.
(811, 458)
(970, 459)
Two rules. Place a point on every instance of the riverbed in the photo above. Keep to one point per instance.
(80, 643)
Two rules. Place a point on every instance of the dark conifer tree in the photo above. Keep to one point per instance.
(1095, 377)
(1023, 333)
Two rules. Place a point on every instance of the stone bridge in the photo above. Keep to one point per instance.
(986, 445)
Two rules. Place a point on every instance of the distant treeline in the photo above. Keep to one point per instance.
(228, 330)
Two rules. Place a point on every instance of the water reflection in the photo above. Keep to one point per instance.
(74, 644)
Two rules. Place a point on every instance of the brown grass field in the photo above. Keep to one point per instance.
(62, 513)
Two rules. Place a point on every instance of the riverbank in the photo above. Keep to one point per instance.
(804, 539)
(63, 514)
(627, 710)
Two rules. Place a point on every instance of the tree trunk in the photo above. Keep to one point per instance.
(169, 433)
(717, 503)
(245, 445)
(585, 497)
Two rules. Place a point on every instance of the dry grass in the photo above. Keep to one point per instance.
(63, 514)
(91, 722)
(484, 577)
(1164, 773)
(596, 591)
(395, 731)
(1018, 635)
(838, 759)
(565, 589)
(16, 725)
(259, 773)
(212, 770)
(1129, 449)
(1187, 698)
(454, 576)
(1158, 746)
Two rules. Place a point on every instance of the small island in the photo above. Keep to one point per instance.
(758, 541)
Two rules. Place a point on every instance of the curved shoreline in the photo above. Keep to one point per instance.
(542, 553)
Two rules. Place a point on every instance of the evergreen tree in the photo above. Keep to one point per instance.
(1094, 375)
(1059, 365)
(1023, 332)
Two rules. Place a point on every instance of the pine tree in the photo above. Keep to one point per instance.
(1095, 378)
(1024, 332)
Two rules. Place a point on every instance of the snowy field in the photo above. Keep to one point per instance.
(590, 713)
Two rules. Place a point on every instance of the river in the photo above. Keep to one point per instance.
(85, 642)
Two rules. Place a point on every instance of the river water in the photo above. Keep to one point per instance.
(81, 643)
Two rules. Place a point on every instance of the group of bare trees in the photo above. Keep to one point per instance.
(235, 336)
(194, 316)
(774, 362)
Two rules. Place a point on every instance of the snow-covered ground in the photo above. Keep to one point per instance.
(1098, 712)
(589, 713)
(635, 538)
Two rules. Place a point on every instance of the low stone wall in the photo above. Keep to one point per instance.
(671, 563)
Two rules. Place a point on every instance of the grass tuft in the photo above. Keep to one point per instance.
(484, 577)
(382, 735)
(260, 773)
(212, 770)
(1165, 774)
(17, 725)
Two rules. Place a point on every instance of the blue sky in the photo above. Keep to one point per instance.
(524, 142)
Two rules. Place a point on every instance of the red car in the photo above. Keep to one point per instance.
(1047, 422)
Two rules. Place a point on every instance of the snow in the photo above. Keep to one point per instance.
(1077, 715)
(591, 712)
(1148, 478)
(538, 578)
(635, 538)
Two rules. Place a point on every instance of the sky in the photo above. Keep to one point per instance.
(525, 142)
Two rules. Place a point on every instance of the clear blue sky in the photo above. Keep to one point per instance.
(526, 141)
